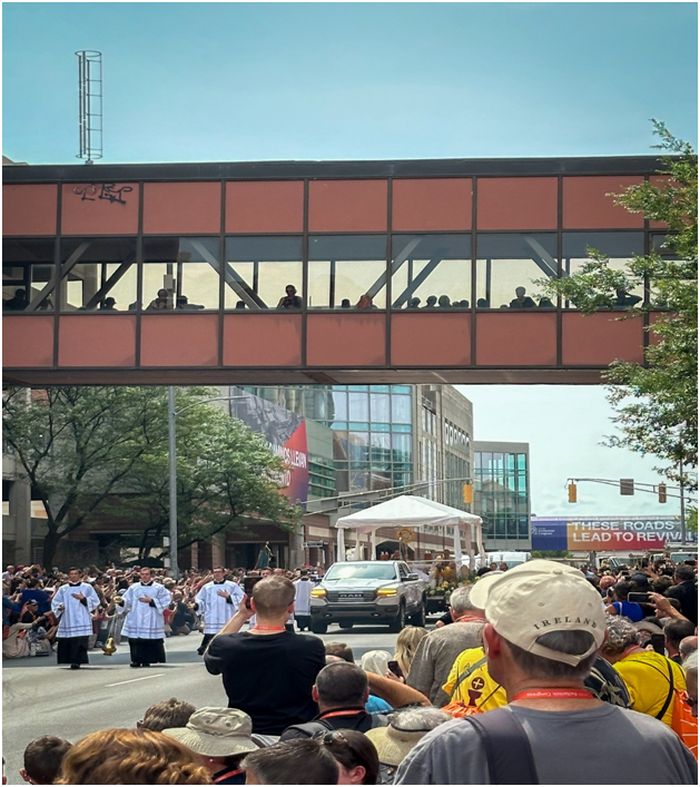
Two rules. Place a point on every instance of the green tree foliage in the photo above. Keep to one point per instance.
(226, 477)
(89, 450)
(655, 403)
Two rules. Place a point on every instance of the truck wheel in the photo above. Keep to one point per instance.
(418, 618)
(345, 625)
(400, 620)
(319, 628)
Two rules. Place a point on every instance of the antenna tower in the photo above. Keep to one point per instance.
(89, 104)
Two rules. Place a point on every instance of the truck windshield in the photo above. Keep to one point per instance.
(361, 571)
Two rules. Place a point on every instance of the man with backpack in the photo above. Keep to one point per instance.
(545, 624)
(650, 677)
(341, 690)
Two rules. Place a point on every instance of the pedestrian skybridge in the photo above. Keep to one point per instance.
(319, 272)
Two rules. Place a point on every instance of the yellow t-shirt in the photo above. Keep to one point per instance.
(479, 690)
(646, 676)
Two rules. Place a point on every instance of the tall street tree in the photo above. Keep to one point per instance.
(655, 403)
(227, 478)
(88, 451)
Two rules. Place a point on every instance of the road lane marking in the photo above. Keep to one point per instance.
(134, 680)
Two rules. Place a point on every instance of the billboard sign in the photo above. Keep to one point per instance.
(595, 534)
(285, 434)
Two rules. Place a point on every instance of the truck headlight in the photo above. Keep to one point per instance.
(318, 593)
(383, 592)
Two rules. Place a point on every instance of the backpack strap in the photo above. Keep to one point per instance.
(671, 686)
(310, 729)
(507, 748)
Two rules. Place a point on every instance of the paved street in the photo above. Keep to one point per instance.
(40, 698)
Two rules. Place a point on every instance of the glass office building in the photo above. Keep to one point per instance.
(372, 429)
(502, 493)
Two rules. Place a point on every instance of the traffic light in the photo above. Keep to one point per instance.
(468, 493)
(662, 493)
(572, 492)
(627, 486)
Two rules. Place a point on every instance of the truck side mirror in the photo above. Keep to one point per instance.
(410, 578)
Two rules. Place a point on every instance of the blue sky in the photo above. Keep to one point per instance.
(220, 81)
(228, 82)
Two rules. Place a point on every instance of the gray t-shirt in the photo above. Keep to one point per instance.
(436, 654)
(602, 745)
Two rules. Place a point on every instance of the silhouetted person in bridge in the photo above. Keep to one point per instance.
(624, 298)
(521, 301)
(17, 303)
(365, 302)
(291, 300)
(160, 302)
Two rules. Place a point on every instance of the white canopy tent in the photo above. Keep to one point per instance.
(411, 510)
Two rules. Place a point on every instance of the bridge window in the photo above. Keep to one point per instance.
(180, 273)
(28, 275)
(344, 268)
(620, 248)
(431, 271)
(508, 265)
(660, 243)
(259, 269)
(98, 274)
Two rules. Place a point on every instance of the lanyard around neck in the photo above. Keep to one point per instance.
(553, 694)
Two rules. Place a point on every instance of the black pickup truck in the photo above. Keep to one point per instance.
(368, 591)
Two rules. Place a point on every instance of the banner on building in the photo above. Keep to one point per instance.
(285, 433)
(594, 534)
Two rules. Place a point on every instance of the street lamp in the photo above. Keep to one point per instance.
(172, 467)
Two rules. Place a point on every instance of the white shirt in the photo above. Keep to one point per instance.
(215, 609)
(302, 597)
(144, 621)
(75, 617)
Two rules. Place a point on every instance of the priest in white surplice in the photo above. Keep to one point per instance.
(73, 604)
(302, 600)
(218, 602)
(144, 603)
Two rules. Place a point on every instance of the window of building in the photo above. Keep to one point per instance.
(344, 268)
(28, 274)
(180, 273)
(401, 409)
(500, 486)
(660, 244)
(401, 445)
(380, 407)
(98, 274)
(509, 267)
(258, 271)
(358, 406)
(619, 247)
(431, 271)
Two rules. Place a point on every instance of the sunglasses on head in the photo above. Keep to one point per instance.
(331, 737)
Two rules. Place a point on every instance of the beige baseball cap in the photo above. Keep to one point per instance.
(537, 597)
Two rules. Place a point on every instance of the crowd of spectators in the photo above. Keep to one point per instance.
(577, 674)
(29, 626)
